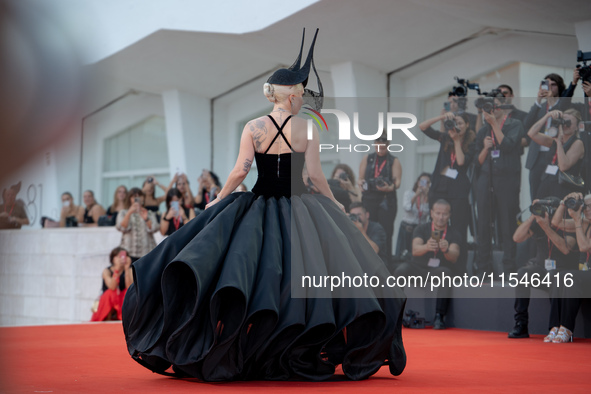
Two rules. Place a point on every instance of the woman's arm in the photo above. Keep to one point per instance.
(362, 168)
(80, 215)
(460, 157)
(110, 281)
(152, 223)
(242, 166)
(534, 132)
(523, 232)
(96, 212)
(397, 173)
(568, 159)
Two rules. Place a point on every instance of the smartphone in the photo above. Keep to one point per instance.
(423, 182)
(174, 205)
(150, 180)
(436, 235)
(123, 255)
(137, 199)
(544, 85)
(447, 106)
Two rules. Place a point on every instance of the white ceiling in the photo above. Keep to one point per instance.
(385, 35)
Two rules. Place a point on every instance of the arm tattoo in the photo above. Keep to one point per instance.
(246, 165)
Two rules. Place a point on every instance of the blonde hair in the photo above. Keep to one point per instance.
(278, 93)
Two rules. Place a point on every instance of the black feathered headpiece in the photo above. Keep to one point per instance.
(299, 74)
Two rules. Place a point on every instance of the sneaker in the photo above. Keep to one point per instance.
(438, 323)
(519, 331)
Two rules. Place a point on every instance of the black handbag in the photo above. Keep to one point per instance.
(574, 181)
(107, 220)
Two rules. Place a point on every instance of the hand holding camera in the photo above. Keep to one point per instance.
(443, 245)
(488, 143)
(432, 245)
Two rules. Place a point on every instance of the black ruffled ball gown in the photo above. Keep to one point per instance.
(220, 299)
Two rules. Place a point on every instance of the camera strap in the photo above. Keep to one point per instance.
(452, 159)
(550, 246)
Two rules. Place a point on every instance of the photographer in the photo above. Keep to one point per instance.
(498, 145)
(372, 231)
(457, 105)
(513, 113)
(416, 211)
(566, 153)
(380, 174)
(138, 225)
(343, 186)
(116, 280)
(435, 250)
(555, 251)
(177, 215)
(552, 89)
(571, 296)
(450, 179)
(209, 187)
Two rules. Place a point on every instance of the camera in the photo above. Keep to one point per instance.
(560, 122)
(355, 217)
(137, 199)
(584, 70)
(487, 103)
(450, 125)
(573, 203)
(547, 205)
(150, 180)
(343, 176)
(412, 320)
(373, 184)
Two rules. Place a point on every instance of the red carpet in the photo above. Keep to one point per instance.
(88, 358)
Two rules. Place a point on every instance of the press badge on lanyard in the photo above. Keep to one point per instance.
(552, 168)
(452, 172)
(550, 264)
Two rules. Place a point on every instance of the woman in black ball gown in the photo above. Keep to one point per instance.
(223, 298)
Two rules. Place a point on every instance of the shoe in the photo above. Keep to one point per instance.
(519, 331)
(551, 335)
(438, 323)
(564, 335)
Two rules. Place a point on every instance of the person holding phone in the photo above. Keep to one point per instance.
(116, 280)
(435, 250)
(137, 225)
(152, 203)
(209, 187)
(177, 214)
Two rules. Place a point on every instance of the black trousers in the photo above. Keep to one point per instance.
(522, 294)
(506, 198)
(443, 293)
(572, 297)
(535, 178)
(382, 208)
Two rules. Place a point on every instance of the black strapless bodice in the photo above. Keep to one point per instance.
(283, 183)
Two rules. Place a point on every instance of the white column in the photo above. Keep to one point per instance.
(583, 31)
(188, 133)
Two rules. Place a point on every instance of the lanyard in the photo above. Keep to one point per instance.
(550, 246)
(554, 158)
(11, 209)
(419, 208)
(206, 195)
(453, 159)
(177, 222)
(377, 171)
